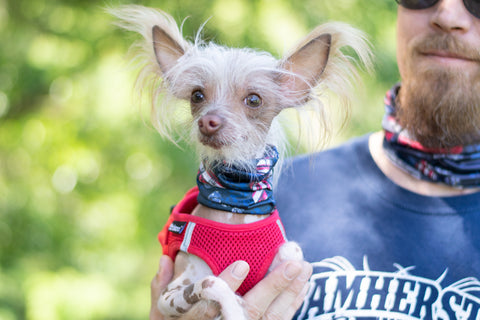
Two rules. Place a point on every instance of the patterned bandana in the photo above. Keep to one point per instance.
(238, 190)
(457, 167)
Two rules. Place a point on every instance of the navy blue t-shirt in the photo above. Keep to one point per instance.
(378, 250)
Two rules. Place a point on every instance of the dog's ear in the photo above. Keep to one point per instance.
(167, 50)
(305, 66)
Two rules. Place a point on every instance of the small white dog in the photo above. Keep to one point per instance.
(234, 96)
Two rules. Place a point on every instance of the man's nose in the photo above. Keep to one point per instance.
(451, 16)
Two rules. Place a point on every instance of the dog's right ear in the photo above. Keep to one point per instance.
(167, 50)
(305, 66)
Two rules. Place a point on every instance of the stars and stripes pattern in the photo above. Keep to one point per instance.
(457, 167)
(239, 189)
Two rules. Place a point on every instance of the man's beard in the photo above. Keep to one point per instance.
(440, 106)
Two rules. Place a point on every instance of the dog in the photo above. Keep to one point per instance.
(235, 96)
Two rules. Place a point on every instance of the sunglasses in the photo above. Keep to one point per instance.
(473, 6)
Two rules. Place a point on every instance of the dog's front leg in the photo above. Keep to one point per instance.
(190, 296)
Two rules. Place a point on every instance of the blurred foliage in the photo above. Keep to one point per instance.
(85, 182)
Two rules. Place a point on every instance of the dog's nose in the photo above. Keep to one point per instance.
(209, 124)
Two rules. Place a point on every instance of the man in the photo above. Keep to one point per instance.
(390, 221)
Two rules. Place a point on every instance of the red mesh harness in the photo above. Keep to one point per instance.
(219, 244)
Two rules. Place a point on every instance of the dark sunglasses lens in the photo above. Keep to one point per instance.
(416, 4)
(473, 6)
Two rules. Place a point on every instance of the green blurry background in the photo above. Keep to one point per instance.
(85, 182)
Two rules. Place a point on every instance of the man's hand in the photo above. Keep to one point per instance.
(280, 293)
(159, 283)
(278, 296)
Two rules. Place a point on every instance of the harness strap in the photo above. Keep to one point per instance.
(220, 244)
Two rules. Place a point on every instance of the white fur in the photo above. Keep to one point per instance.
(218, 64)
(174, 68)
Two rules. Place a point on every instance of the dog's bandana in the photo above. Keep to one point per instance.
(458, 166)
(220, 244)
(238, 190)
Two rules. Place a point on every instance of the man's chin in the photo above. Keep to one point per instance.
(440, 107)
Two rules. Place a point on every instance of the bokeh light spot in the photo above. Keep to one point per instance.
(4, 105)
(61, 89)
(138, 166)
(64, 179)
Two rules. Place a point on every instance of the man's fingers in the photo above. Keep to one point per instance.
(165, 272)
(235, 273)
(159, 282)
(278, 295)
(260, 297)
(287, 303)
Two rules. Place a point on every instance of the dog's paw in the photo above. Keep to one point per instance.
(215, 289)
(208, 298)
(288, 251)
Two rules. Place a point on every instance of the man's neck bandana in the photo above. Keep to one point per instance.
(457, 167)
(239, 190)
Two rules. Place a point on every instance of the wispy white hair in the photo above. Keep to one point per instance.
(339, 77)
(337, 82)
(141, 20)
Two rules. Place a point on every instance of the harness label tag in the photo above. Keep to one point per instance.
(177, 227)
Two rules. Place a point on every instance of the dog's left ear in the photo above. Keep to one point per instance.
(305, 66)
(167, 50)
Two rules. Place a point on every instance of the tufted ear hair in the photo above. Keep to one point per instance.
(305, 66)
(167, 50)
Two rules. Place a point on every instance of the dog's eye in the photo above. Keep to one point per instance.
(253, 101)
(197, 96)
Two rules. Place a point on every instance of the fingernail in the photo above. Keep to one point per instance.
(240, 270)
(291, 271)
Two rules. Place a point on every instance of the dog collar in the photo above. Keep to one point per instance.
(239, 190)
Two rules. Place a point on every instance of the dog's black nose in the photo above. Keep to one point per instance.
(209, 124)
